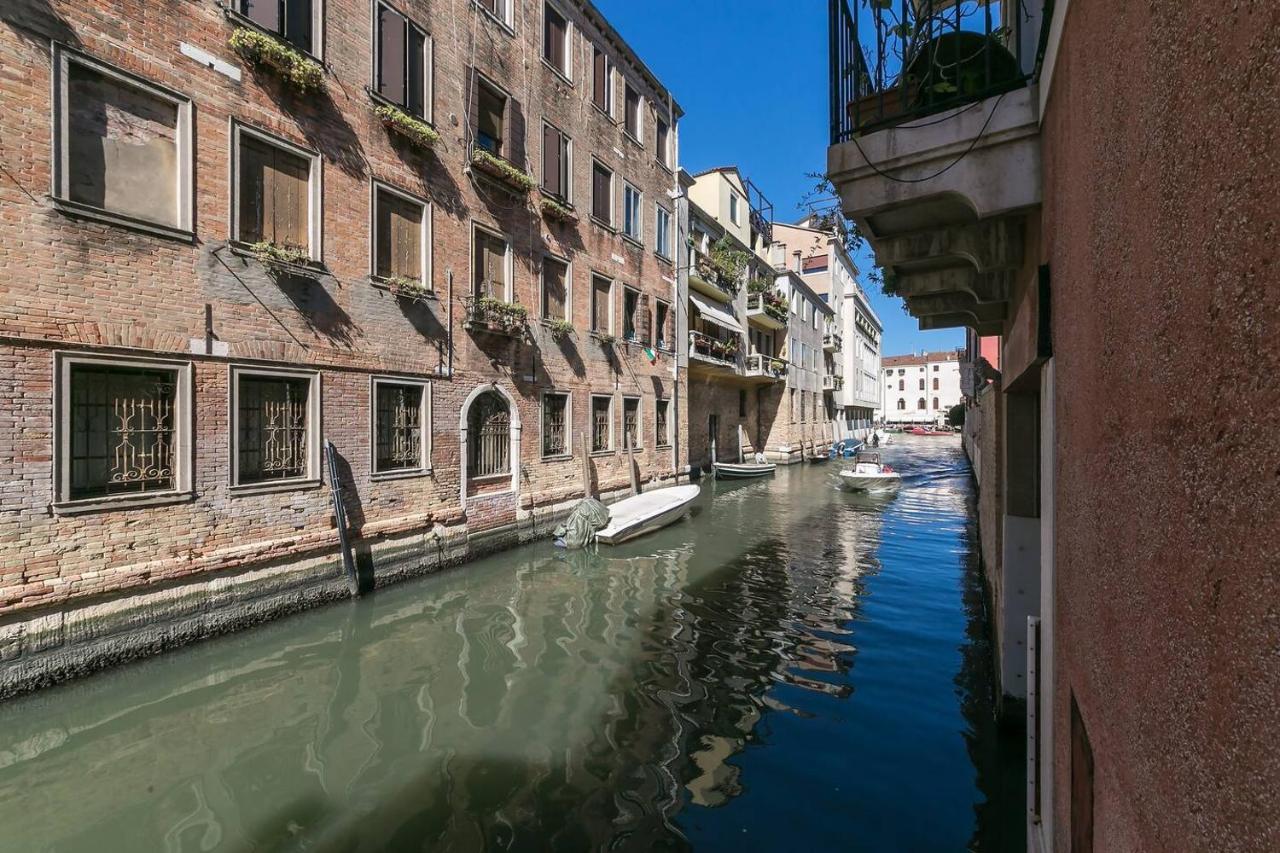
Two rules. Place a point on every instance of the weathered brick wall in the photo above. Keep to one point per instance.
(68, 283)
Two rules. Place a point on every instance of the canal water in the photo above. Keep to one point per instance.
(793, 667)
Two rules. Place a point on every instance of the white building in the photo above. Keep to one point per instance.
(815, 249)
(920, 388)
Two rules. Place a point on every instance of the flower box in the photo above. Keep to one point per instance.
(411, 289)
(556, 211)
(486, 314)
(299, 72)
(416, 131)
(498, 168)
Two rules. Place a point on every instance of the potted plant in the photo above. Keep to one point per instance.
(560, 329)
(605, 338)
(495, 166)
(299, 72)
(281, 256)
(415, 130)
(412, 289)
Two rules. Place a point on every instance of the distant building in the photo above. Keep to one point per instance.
(920, 388)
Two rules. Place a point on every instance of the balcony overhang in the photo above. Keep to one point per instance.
(946, 203)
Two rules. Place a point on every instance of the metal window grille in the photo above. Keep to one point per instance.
(273, 428)
(489, 429)
(122, 431)
(631, 422)
(398, 424)
(600, 424)
(660, 423)
(554, 407)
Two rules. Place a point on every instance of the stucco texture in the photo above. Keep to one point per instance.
(1161, 155)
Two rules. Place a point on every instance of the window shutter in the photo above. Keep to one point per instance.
(553, 283)
(297, 28)
(642, 322)
(554, 35)
(391, 55)
(600, 201)
(551, 159)
(601, 79)
(600, 304)
(416, 98)
(264, 13)
(473, 118)
(513, 129)
(250, 192)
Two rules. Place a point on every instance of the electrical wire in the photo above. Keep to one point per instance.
(944, 169)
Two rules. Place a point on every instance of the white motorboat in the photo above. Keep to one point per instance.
(869, 474)
(645, 513)
(743, 470)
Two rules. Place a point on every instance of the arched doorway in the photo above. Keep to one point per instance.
(489, 438)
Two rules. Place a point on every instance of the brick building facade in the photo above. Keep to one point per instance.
(216, 257)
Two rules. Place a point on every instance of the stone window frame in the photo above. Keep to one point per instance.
(509, 265)
(622, 421)
(607, 109)
(428, 60)
(628, 89)
(630, 189)
(63, 57)
(608, 224)
(591, 306)
(183, 434)
(568, 424)
(426, 255)
(315, 184)
(565, 73)
(659, 210)
(568, 164)
(613, 426)
(568, 285)
(660, 440)
(312, 478)
(425, 469)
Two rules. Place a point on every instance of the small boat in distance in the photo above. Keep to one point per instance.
(927, 431)
(645, 513)
(743, 470)
(868, 474)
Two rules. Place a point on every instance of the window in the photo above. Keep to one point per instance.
(920, 404)
(124, 146)
(804, 407)
(602, 82)
(295, 21)
(555, 289)
(902, 405)
(490, 106)
(921, 384)
(499, 9)
(935, 402)
(489, 266)
(662, 435)
(277, 193)
(663, 316)
(733, 208)
(601, 424)
(402, 63)
(400, 235)
(902, 384)
(275, 433)
(632, 216)
(663, 136)
(902, 372)
(935, 383)
(555, 424)
(401, 426)
(555, 39)
(662, 242)
(556, 171)
(489, 436)
(935, 368)
(631, 111)
(601, 299)
(742, 402)
(124, 428)
(631, 422)
(602, 193)
(635, 315)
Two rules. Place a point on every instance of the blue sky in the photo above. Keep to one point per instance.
(751, 76)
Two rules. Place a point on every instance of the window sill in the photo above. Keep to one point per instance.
(408, 474)
(97, 214)
(505, 27)
(313, 269)
(626, 134)
(634, 241)
(558, 457)
(599, 454)
(662, 447)
(489, 478)
(274, 486)
(380, 282)
(605, 113)
(121, 502)
(382, 100)
(663, 258)
(563, 77)
(597, 221)
(664, 167)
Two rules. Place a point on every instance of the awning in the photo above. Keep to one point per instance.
(713, 313)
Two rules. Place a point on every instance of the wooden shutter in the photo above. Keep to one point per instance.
(415, 100)
(264, 13)
(554, 37)
(399, 237)
(600, 71)
(391, 55)
(289, 177)
(643, 320)
(553, 289)
(253, 163)
(663, 149)
(513, 131)
(551, 178)
(601, 194)
(600, 292)
(297, 25)
(473, 107)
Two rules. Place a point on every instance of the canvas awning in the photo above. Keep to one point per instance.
(713, 313)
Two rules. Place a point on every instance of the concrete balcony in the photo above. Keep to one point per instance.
(707, 280)
(712, 355)
(831, 382)
(762, 369)
(766, 313)
(832, 341)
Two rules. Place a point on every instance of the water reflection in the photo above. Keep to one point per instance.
(676, 692)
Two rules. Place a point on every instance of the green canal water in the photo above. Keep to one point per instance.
(793, 667)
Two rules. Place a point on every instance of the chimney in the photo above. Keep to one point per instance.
(796, 255)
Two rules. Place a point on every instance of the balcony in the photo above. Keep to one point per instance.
(767, 309)
(706, 277)
(763, 369)
(713, 354)
(832, 382)
(486, 315)
(832, 341)
(935, 148)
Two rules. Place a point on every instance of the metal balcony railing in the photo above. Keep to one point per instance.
(770, 302)
(707, 348)
(764, 365)
(895, 60)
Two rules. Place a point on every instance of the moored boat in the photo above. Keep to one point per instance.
(743, 470)
(869, 474)
(645, 513)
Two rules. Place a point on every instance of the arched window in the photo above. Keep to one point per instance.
(935, 383)
(920, 404)
(935, 402)
(902, 405)
(921, 385)
(489, 436)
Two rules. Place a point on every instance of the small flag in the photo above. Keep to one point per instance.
(651, 355)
